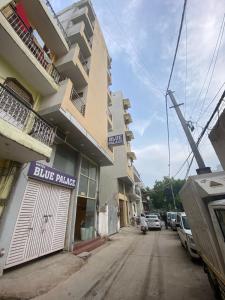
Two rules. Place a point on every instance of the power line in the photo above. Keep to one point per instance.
(209, 68)
(213, 69)
(168, 85)
(206, 127)
(203, 131)
(177, 45)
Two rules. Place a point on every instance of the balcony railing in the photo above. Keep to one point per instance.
(109, 114)
(58, 22)
(84, 62)
(78, 101)
(30, 41)
(19, 114)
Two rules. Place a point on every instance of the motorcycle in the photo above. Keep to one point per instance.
(144, 229)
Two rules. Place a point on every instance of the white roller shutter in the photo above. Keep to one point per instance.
(20, 237)
(41, 224)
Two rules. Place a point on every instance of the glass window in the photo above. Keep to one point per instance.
(84, 167)
(220, 213)
(185, 223)
(83, 186)
(92, 171)
(92, 189)
(65, 160)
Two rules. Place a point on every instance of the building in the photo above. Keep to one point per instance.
(138, 185)
(118, 197)
(217, 138)
(54, 78)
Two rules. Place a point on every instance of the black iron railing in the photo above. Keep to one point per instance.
(78, 101)
(18, 113)
(29, 40)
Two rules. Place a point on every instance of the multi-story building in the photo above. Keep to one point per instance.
(118, 195)
(54, 122)
(138, 185)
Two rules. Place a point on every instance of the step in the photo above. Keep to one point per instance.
(88, 246)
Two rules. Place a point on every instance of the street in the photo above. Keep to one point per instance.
(137, 266)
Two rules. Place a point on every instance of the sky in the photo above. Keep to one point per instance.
(141, 38)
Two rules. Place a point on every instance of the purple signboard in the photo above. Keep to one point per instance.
(42, 172)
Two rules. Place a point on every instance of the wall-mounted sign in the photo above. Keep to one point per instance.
(115, 140)
(42, 172)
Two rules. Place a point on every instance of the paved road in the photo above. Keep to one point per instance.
(135, 266)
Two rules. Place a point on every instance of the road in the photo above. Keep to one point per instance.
(135, 266)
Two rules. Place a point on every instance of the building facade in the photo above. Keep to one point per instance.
(118, 194)
(54, 79)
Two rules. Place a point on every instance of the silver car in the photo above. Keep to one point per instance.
(153, 222)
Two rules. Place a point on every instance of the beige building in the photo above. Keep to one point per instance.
(54, 98)
(119, 199)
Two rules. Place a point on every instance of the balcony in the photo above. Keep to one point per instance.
(109, 99)
(127, 118)
(77, 34)
(22, 50)
(126, 103)
(81, 15)
(66, 111)
(87, 3)
(129, 135)
(78, 100)
(44, 19)
(109, 77)
(24, 135)
(74, 66)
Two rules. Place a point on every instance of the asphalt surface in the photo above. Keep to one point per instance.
(137, 266)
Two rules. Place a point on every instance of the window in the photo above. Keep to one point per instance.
(88, 179)
(220, 213)
(185, 223)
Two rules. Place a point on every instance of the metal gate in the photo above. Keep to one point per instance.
(41, 223)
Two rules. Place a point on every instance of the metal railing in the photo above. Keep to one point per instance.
(58, 23)
(109, 114)
(29, 40)
(23, 117)
(78, 101)
(84, 62)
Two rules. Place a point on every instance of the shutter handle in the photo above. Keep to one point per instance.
(30, 228)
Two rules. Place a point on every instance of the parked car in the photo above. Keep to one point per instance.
(153, 222)
(173, 220)
(185, 235)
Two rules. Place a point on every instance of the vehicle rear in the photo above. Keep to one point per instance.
(153, 222)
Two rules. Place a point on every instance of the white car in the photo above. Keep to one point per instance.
(153, 222)
(185, 235)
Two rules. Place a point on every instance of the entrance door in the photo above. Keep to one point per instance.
(41, 223)
(121, 202)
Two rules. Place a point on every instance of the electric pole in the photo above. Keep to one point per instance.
(202, 169)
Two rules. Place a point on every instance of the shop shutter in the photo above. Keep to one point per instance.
(38, 221)
(22, 230)
(61, 220)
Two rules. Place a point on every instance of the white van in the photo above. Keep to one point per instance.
(185, 234)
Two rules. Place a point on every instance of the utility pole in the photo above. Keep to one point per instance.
(202, 168)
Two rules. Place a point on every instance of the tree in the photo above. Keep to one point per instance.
(161, 195)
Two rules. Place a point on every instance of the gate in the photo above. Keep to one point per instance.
(41, 224)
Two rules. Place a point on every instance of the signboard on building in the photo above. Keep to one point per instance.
(44, 173)
(115, 140)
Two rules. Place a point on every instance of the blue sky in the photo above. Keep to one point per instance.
(141, 37)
